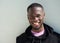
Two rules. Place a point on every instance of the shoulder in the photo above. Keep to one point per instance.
(56, 34)
(51, 30)
(21, 36)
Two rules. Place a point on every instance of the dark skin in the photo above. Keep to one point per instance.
(35, 17)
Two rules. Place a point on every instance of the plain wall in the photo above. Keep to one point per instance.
(13, 17)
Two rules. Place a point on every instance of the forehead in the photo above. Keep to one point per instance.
(36, 10)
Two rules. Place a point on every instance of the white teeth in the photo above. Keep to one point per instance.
(36, 23)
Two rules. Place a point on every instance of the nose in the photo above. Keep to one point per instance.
(36, 18)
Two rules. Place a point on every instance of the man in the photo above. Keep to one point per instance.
(38, 31)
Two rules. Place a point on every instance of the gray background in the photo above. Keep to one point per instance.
(13, 17)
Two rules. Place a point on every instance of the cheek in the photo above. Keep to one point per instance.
(30, 20)
(42, 17)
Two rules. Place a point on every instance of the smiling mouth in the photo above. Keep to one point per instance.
(36, 23)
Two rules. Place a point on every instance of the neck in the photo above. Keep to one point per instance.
(39, 30)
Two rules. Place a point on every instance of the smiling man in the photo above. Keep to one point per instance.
(35, 16)
(38, 31)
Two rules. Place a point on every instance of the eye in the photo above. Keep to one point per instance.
(38, 15)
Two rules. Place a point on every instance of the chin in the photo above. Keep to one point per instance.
(36, 28)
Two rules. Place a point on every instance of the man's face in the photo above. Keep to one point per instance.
(35, 17)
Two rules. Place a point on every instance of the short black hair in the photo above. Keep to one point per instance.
(34, 5)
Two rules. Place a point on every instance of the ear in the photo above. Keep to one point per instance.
(44, 13)
(27, 16)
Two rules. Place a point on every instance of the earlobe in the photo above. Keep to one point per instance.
(27, 17)
(44, 13)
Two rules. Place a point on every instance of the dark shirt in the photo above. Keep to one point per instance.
(50, 36)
